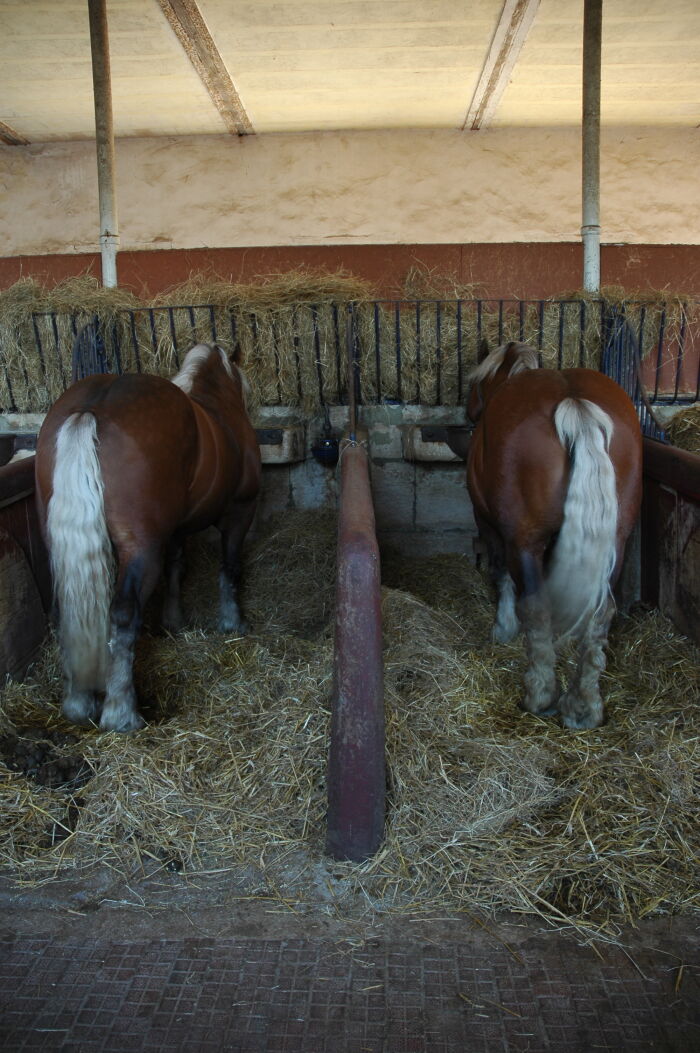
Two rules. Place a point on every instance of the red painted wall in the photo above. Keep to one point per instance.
(513, 270)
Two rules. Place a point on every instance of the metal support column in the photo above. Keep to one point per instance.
(104, 138)
(590, 229)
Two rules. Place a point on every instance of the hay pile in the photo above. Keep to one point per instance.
(291, 329)
(489, 809)
(684, 429)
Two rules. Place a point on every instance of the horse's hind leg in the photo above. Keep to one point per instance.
(233, 531)
(541, 688)
(582, 706)
(507, 624)
(135, 583)
(172, 617)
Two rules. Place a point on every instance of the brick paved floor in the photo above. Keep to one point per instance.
(83, 993)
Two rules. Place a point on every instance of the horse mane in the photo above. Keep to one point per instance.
(524, 357)
(193, 361)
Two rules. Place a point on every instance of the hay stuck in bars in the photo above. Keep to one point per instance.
(489, 809)
(684, 429)
(290, 328)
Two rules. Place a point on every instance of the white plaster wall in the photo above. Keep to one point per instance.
(352, 188)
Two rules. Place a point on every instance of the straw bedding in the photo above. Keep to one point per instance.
(488, 808)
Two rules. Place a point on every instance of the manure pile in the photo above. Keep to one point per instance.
(488, 808)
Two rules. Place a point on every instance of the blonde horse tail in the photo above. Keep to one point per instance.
(82, 562)
(583, 560)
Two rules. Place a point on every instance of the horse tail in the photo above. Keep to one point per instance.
(583, 559)
(82, 561)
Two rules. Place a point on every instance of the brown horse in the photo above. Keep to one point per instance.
(555, 476)
(126, 466)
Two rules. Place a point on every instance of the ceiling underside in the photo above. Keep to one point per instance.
(211, 67)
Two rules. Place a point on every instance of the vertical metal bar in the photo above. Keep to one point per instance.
(438, 353)
(297, 357)
(521, 320)
(418, 350)
(37, 341)
(560, 352)
(397, 332)
(377, 353)
(154, 334)
(582, 333)
(479, 321)
(10, 391)
(212, 322)
(459, 351)
(278, 363)
(57, 341)
(540, 331)
(500, 322)
(173, 335)
(590, 175)
(135, 342)
(317, 353)
(349, 350)
(338, 365)
(116, 344)
(681, 352)
(104, 139)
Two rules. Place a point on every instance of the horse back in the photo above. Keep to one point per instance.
(518, 470)
(147, 447)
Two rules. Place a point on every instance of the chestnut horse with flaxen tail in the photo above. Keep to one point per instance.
(126, 466)
(555, 476)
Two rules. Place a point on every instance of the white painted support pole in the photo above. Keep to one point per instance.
(590, 228)
(104, 139)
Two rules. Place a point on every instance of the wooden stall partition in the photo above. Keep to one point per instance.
(671, 534)
(25, 580)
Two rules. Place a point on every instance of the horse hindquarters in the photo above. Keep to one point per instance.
(583, 560)
(81, 564)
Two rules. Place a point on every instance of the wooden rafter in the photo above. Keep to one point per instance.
(186, 20)
(10, 137)
(512, 29)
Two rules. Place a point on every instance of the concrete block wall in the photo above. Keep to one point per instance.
(420, 505)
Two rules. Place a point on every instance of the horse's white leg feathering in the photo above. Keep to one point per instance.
(81, 562)
(578, 577)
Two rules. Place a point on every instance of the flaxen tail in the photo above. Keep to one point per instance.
(578, 578)
(81, 553)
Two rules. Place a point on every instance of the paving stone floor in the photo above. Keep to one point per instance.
(115, 982)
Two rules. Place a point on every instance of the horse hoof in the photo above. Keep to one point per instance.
(587, 723)
(82, 711)
(550, 711)
(132, 722)
(241, 628)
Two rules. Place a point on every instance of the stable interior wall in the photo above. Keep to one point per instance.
(498, 209)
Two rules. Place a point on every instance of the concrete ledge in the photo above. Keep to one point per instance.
(421, 442)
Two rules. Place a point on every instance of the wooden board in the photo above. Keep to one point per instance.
(23, 623)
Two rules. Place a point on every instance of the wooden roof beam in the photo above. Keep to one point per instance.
(10, 137)
(190, 28)
(510, 35)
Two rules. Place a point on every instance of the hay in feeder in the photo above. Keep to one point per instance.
(684, 429)
(291, 330)
(38, 327)
(489, 808)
